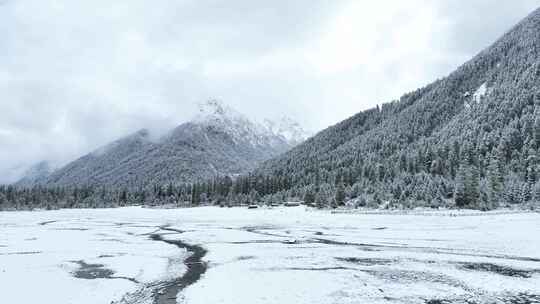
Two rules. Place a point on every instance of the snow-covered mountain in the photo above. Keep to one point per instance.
(218, 141)
(289, 129)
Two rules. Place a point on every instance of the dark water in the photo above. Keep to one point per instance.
(96, 271)
(195, 269)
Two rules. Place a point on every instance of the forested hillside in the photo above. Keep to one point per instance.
(471, 139)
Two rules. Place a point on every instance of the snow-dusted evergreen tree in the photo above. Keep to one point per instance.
(537, 129)
(309, 196)
(461, 197)
(495, 180)
(339, 198)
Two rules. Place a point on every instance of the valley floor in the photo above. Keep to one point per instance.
(279, 255)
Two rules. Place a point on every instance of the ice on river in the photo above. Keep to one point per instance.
(279, 255)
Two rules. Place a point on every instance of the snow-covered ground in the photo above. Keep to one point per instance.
(280, 255)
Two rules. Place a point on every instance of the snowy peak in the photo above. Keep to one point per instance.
(284, 131)
(287, 128)
(215, 110)
(217, 114)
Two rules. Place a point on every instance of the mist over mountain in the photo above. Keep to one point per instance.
(218, 141)
(36, 174)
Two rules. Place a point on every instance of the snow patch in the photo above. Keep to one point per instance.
(480, 93)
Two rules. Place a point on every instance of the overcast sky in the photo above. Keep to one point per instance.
(75, 75)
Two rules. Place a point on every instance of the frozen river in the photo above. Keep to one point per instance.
(281, 255)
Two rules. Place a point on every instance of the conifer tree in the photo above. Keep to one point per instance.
(495, 180)
(460, 191)
(536, 131)
(340, 195)
(320, 200)
(309, 197)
